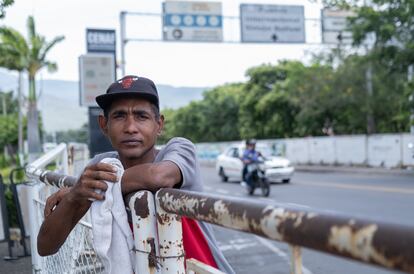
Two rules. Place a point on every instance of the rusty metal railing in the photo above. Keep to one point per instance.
(374, 242)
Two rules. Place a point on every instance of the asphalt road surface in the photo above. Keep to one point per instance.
(377, 196)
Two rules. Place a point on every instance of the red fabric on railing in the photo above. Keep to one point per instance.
(195, 243)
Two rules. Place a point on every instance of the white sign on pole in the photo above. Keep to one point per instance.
(272, 23)
(335, 28)
(192, 21)
(97, 72)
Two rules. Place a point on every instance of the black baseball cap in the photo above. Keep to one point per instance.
(129, 86)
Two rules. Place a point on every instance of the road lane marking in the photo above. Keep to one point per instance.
(237, 244)
(222, 191)
(280, 253)
(297, 205)
(362, 187)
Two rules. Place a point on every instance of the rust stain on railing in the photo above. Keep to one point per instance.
(50, 177)
(374, 242)
(146, 245)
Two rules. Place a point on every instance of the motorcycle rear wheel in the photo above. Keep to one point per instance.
(265, 187)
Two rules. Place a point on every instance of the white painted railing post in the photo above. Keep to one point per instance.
(170, 236)
(34, 225)
(64, 162)
(142, 206)
(296, 260)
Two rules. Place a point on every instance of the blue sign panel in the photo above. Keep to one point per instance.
(192, 21)
(100, 40)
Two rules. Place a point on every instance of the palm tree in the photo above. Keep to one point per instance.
(13, 53)
(38, 49)
(32, 55)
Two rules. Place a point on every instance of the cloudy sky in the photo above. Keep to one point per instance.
(178, 64)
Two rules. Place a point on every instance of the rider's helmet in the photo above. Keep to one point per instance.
(250, 142)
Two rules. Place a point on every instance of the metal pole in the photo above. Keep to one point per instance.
(3, 96)
(16, 200)
(20, 120)
(123, 41)
(144, 222)
(411, 98)
(296, 260)
(370, 116)
(65, 162)
(170, 237)
(33, 195)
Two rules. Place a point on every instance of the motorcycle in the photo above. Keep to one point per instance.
(257, 172)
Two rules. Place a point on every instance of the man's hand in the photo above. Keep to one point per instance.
(72, 204)
(54, 200)
(92, 179)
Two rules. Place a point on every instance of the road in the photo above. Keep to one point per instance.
(382, 197)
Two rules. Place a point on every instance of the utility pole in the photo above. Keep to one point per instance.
(20, 119)
(411, 98)
(4, 107)
(123, 41)
(370, 115)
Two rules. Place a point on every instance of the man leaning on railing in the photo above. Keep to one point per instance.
(132, 122)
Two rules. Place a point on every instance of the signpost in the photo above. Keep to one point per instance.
(334, 27)
(192, 21)
(97, 71)
(96, 74)
(272, 23)
(101, 40)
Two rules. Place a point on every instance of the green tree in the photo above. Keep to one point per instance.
(388, 25)
(4, 4)
(188, 121)
(37, 60)
(220, 113)
(8, 133)
(8, 125)
(31, 55)
(8, 104)
(169, 129)
(13, 56)
(213, 118)
(266, 107)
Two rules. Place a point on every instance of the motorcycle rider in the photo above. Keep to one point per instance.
(250, 155)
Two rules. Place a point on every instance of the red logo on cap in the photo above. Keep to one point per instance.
(127, 82)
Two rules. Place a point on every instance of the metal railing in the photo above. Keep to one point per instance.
(383, 244)
(158, 239)
(77, 254)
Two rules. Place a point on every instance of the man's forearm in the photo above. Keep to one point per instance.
(57, 226)
(150, 177)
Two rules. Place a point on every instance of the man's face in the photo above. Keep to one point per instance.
(132, 129)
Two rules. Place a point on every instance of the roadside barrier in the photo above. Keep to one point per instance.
(15, 236)
(158, 236)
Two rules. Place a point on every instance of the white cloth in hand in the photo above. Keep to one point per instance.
(112, 236)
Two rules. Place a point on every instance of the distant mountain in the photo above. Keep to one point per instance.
(59, 100)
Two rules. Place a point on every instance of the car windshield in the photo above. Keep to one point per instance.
(266, 151)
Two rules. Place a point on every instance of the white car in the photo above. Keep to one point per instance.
(230, 166)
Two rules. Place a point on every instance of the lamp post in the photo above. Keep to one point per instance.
(411, 98)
